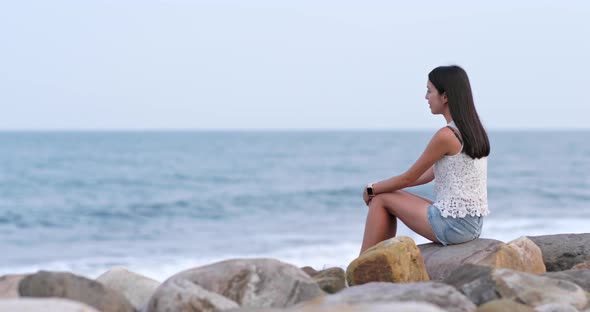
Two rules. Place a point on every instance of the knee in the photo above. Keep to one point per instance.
(387, 201)
(377, 201)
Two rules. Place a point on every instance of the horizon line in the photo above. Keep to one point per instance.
(504, 129)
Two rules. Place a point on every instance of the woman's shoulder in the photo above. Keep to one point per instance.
(448, 137)
(446, 134)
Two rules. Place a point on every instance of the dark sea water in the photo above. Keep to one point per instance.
(161, 202)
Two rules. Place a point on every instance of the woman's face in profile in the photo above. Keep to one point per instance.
(435, 100)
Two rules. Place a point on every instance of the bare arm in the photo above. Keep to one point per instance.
(427, 177)
(422, 170)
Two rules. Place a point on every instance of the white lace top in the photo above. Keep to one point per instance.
(461, 185)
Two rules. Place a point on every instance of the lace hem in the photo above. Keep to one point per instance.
(462, 212)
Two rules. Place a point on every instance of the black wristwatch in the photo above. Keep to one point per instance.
(370, 190)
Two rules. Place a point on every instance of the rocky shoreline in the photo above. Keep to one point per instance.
(534, 273)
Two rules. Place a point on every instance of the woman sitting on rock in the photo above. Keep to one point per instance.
(455, 157)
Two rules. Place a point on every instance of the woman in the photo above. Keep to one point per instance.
(456, 158)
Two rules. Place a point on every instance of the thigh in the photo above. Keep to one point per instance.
(411, 209)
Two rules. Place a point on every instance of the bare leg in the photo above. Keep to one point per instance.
(392, 226)
(385, 209)
(380, 225)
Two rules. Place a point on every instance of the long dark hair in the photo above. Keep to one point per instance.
(453, 81)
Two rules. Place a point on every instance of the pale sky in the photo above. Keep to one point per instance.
(305, 64)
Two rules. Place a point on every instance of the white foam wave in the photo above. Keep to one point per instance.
(318, 256)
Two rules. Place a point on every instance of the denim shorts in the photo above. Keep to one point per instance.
(451, 230)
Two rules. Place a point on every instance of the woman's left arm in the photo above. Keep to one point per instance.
(438, 147)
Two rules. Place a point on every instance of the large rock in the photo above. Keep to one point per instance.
(39, 304)
(395, 260)
(578, 277)
(136, 288)
(69, 286)
(441, 260)
(504, 305)
(438, 294)
(582, 266)
(563, 251)
(180, 295)
(367, 307)
(555, 307)
(9, 285)
(257, 283)
(531, 258)
(475, 282)
(330, 280)
(483, 284)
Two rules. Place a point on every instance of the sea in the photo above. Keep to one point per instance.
(159, 202)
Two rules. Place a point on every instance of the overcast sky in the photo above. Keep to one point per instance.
(252, 64)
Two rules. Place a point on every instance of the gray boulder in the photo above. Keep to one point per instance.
(563, 251)
(441, 260)
(69, 286)
(180, 295)
(521, 254)
(578, 277)
(556, 307)
(136, 288)
(483, 284)
(330, 280)
(367, 307)
(438, 294)
(582, 266)
(257, 283)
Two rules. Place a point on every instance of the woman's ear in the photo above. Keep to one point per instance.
(445, 100)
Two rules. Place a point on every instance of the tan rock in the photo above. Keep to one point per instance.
(504, 257)
(504, 305)
(531, 258)
(395, 260)
(9, 285)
